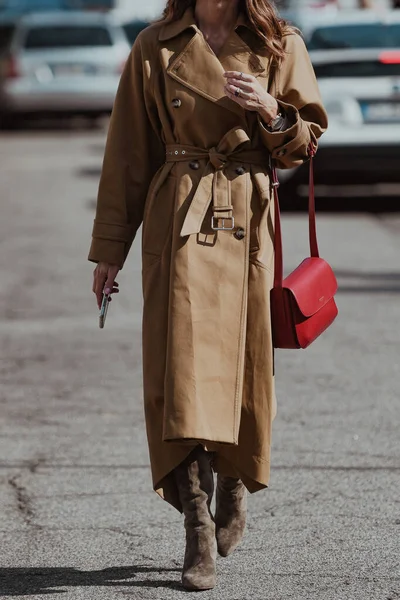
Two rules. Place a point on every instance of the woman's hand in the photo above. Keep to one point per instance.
(104, 280)
(248, 92)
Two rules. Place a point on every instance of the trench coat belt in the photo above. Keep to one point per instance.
(214, 186)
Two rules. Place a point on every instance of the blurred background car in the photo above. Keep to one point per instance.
(361, 93)
(20, 7)
(357, 29)
(358, 68)
(308, 14)
(63, 62)
(356, 60)
(338, 4)
(69, 62)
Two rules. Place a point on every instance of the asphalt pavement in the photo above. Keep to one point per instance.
(78, 516)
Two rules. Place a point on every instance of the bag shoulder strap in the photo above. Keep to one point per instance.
(314, 252)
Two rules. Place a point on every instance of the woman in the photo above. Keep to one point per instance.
(209, 95)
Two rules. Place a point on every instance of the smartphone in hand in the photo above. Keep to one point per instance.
(103, 310)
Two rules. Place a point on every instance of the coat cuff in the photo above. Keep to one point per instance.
(109, 251)
(112, 231)
(110, 243)
(290, 142)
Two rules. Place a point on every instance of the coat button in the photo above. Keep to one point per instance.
(240, 171)
(281, 152)
(194, 164)
(240, 233)
(176, 102)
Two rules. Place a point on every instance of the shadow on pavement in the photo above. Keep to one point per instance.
(35, 581)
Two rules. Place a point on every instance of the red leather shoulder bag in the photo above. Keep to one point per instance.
(302, 304)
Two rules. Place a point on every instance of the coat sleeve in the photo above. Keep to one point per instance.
(134, 152)
(296, 89)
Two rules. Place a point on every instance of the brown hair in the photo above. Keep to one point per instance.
(261, 13)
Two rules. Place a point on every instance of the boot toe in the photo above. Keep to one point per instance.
(197, 582)
(199, 579)
(229, 538)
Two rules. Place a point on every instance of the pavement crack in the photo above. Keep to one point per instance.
(23, 500)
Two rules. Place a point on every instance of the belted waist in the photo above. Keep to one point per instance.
(182, 153)
(214, 186)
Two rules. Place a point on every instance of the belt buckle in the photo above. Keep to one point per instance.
(215, 227)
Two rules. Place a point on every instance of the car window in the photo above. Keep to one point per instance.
(368, 68)
(133, 29)
(368, 35)
(67, 37)
(6, 33)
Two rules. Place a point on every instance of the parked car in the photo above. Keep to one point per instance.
(307, 19)
(360, 29)
(361, 93)
(309, 16)
(64, 63)
(337, 4)
(20, 7)
(358, 72)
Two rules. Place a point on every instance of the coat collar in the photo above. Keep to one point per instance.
(198, 68)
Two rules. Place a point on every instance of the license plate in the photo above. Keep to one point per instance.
(381, 112)
(73, 70)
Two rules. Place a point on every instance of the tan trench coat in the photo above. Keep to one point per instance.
(179, 152)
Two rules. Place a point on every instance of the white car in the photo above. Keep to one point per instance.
(359, 77)
(64, 62)
(357, 65)
(308, 16)
(317, 5)
(361, 93)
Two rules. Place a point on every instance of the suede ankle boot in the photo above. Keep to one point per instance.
(195, 481)
(230, 517)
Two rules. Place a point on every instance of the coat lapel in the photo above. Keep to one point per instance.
(199, 69)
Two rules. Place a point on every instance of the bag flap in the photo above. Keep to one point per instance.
(312, 284)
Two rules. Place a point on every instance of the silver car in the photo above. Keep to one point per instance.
(308, 16)
(64, 62)
(361, 93)
(357, 64)
(358, 70)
